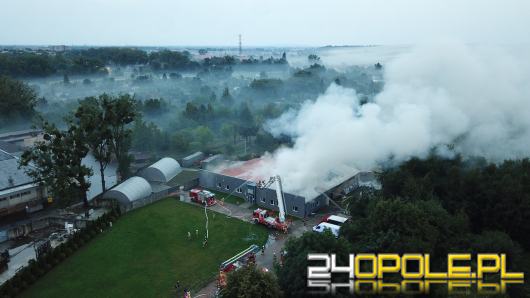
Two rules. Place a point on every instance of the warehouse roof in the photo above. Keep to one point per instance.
(162, 171)
(130, 190)
(195, 155)
(244, 169)
(10, 174)
(183, 177)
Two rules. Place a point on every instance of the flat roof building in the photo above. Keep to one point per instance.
(18, 192)
(240, 179)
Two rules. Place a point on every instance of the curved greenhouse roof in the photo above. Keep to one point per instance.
(130, 190)
(162, 171)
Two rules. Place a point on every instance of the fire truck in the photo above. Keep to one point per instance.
(244, 258)
(202, 197)
(266, 218)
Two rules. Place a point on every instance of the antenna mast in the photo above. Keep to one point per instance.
(240, 47)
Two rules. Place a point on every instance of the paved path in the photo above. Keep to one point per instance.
(273, 246)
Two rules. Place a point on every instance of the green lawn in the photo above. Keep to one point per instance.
(147, 251)
(227, 198)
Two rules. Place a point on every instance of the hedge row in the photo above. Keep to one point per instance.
(38, 268)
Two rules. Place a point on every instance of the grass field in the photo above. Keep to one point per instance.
(147, 251)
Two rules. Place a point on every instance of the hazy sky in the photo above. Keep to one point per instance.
(262, 22)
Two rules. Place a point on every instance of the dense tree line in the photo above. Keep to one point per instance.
(493, 197)
(88, 61)
(433, 205)
(114, 55)
(26, 64)
(41, 63)
(167, 59)
(17, 100)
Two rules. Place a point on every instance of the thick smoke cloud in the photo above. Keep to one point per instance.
(474, 99)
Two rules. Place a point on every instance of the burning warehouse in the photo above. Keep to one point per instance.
(240, 179)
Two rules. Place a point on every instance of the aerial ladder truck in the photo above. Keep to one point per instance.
(265, 217)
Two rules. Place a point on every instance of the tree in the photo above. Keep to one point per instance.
(147, 136)
(247, 125)
(204, 135)
(191, 111)
(16, 99)
(283, 59)
(292, 275)
(181, 141)
(153, 105)
(401, 226)
(493, 197)
(250, 282)
(121, 111)
(57, 162)
(313, 58)
(93, 120)
(227, 98)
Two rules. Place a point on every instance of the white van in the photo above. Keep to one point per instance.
(336, 220)
(321, 227)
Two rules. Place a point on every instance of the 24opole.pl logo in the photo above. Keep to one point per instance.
(367, 272)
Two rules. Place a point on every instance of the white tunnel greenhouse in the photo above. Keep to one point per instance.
(162, 171)
(131, 190)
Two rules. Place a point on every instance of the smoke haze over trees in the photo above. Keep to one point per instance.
(447, 97)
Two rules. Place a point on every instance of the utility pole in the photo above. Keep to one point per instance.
(240, 46)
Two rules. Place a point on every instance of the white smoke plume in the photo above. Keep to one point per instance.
(475, 99)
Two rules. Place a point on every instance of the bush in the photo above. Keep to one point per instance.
(23, 285)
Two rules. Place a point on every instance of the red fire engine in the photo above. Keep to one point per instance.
(265, 217)
(202, 197)
(244, 258)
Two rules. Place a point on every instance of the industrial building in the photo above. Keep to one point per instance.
(192, 160)
(21, 139)
(236, 178)
(32, 195)
(166, 177)
(18, 192)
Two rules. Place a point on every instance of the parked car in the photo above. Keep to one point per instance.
(321, 227)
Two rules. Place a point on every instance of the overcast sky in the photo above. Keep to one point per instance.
(262, 22)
